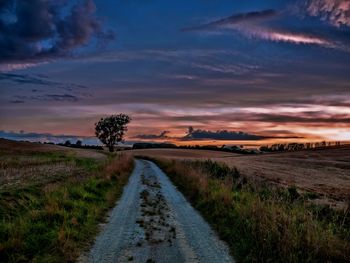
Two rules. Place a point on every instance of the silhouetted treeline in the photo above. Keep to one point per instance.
(298, 146)
(224, 148)
(240, 148)
(234, 149)
(78, 144)
(147, 145)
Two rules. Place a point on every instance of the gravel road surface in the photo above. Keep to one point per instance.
(153, 222)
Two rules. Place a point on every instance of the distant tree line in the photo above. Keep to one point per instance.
(298, 146)
(240, 148)
(79, 144)
(146, 145)
(225, 148)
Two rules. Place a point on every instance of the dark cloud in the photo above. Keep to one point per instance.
(237, 18)
(220, 135)
(59, 91)
(17, 101)
(309, 117)
(26, 79)
(58, 97)
(199, 134)
(46, 137)
(312, 117)
(162, 135)
(46, 97)
(35, 30)
(74, 90)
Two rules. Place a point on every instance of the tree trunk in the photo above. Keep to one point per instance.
(111, 148)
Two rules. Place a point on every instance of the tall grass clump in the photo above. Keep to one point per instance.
(260, 222)
(52, 222)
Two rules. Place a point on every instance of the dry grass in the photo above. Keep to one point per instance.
(323, 172)
(51, 202)
(34, 172)
(261, 224)
(24, 164)
(14, 147)
(326, 172)
(183, 153)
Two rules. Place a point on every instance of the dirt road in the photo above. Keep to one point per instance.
(153, 222)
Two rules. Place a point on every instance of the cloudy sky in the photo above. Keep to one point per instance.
(270, 69)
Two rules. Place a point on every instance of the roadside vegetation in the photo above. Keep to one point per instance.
(261, 222)
(52, 202)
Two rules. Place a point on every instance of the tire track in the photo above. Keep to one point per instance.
(153, 222)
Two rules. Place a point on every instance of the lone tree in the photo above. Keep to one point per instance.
(111, 130)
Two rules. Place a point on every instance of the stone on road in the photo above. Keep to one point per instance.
(153, 222)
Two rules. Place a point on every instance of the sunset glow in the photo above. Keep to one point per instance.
(274, 70)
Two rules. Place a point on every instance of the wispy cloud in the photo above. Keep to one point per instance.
(237, 69)
(46, 97)
(17, 101)
(254, 25)
(236, 19)
(193, 60)
(37, 80)
(12, 66)
(162, 135)
(52, 90)
(278, 35)
(181, 76)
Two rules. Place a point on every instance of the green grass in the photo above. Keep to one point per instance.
(52, 222)
(261, 223)
(39, 158)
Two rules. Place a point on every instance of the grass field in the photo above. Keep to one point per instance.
(259, 222)
(324, 173)
(268, 208)
(53, 198)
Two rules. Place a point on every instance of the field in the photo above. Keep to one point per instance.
(325, 172)
(53, 198)
(23, 164)
(184, 153)
(261, 223)
(268, 208)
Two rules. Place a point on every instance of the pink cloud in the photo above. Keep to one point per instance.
(17, 66)
(336, 12)
(283, 36)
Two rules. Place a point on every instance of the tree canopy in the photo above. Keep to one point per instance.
(111, 130)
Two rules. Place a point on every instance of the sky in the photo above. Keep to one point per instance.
(234, 71)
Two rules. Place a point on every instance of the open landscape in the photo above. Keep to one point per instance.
(59, 195)
(182, 131)
(322, 172)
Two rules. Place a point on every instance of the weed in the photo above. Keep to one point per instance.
(311, 195)
(259, 222)
(51, 222)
